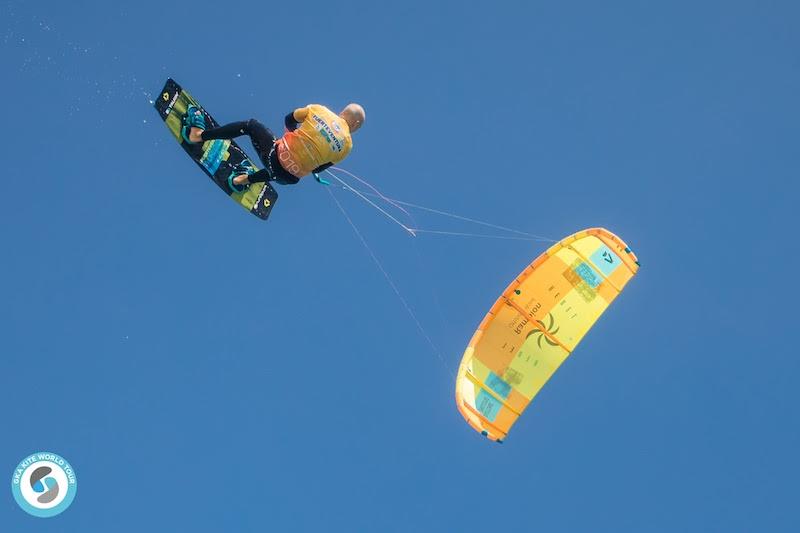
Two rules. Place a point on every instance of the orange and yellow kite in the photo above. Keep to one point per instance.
(536, 323)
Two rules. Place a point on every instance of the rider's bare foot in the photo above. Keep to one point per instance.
(240, 180)
(195, 135)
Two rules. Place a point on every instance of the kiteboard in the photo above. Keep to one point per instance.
(219, 158)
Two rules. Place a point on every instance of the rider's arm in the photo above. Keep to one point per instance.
(263, 175)
(294, 118)
(321, 168)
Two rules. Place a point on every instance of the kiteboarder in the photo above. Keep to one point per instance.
(315, 139)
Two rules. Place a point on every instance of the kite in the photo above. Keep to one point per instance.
(536, 323)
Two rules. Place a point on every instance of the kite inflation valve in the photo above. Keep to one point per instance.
(320, 179)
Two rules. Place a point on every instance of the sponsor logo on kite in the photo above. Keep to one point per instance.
(583, 278)
(513, 377)
(44, 484)
(545, 332)
(165, 96)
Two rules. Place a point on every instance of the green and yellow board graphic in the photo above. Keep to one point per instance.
(218, 158)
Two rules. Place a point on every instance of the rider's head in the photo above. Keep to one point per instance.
(354, 115)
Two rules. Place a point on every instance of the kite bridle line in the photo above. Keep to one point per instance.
(413, 231)
(392, 284)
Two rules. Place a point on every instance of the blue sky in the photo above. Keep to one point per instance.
(205, 371)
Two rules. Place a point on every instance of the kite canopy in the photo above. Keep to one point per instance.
(536, 323)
